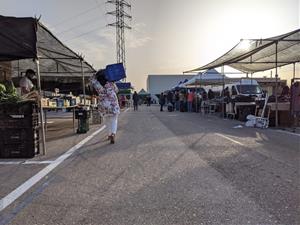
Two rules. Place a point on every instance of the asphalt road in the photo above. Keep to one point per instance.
(169, 168)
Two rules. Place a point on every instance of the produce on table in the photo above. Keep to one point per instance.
(8, 94)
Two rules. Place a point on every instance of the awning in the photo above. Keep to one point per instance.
(30, 45)
(209, 77)
(143, 92)
(124, 85)
(24, 39)
(254, 55)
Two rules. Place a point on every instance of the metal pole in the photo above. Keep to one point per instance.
(294, 74)
(223, 92)
(83, 83)
(41, 106)
(276, 87)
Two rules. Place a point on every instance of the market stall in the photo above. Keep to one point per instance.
(255, 55)
(28, 44)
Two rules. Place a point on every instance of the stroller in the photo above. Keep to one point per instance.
(170, 107)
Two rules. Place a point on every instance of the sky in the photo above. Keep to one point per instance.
(167, 36)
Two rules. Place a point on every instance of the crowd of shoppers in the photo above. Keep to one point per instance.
(184, 100)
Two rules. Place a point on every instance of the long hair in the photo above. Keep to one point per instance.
(100, 76)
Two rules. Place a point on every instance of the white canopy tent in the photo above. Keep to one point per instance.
(209, 77)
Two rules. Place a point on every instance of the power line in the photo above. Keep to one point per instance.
(75, 27)
(74, 16)
(83, 34)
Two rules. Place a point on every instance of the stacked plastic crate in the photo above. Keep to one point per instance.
(19, 130)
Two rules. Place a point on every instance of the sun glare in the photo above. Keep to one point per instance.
(244, 45)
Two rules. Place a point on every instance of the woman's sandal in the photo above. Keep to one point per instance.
(112, 139)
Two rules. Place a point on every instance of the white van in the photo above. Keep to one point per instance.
(243, 96)
(246, 87)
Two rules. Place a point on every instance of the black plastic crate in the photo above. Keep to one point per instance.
(20, 108)
(19, 143)
(21, 150)
(19, 121)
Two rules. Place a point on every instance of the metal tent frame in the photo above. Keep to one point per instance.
(24, 39)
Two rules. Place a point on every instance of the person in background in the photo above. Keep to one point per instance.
(135, 98)
(123, 101)
(285, 94)
(190, 99)
(149, 100)
(108, 102)
(211, 94)
(176, 100)
(295, 103)
(162, 101)
(199, 97)
(25, 83)
(181, 101)
(170, 97)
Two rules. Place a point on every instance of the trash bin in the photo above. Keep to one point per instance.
(83, 116)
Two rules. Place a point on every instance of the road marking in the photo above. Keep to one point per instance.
(28, 162)
(11, 163)
(230, 139)
(288, 132)
(11, 197)
(37, 162)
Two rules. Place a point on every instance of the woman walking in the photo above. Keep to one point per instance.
(108, 102)
(135, 98)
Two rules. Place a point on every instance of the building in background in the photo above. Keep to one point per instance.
(157, 83)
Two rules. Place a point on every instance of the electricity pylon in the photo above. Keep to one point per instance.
(120, 24)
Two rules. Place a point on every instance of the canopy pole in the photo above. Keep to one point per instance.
(223, 92)
(83, 83)
(276, 87)
(294, 74)
(41, 106)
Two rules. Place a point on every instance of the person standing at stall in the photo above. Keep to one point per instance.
(108, 102)
(181, 101)
(149, 100)
(162, 101)
(295, 103)
(135, 98)
(190, 98)
(176, 100)
(25, 83)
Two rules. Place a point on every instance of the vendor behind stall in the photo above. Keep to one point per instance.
(25, 83)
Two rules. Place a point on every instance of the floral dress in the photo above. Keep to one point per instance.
(108, 100)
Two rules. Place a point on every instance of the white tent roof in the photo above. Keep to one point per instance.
(209, 77)
(254, 55)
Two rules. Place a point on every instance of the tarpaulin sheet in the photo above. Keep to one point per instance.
(25, 39)
(126, 85)
(256, 55)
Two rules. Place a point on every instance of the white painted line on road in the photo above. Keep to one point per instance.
(230, 139)
(37, 162)
(28, 162)
(11, 163)
(288, 132)
(11, 197)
